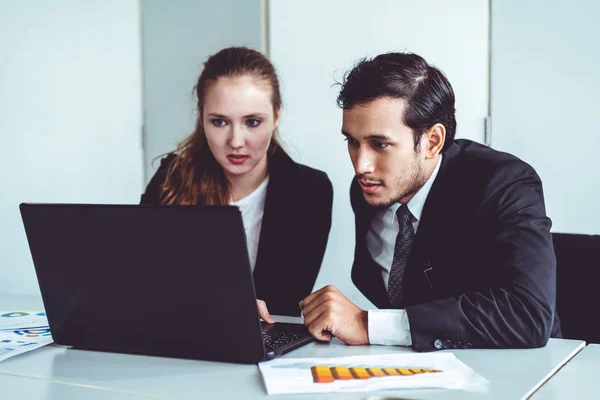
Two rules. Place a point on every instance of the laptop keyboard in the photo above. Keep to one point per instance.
(275, 340)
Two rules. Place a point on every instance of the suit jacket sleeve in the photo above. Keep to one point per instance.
(517, 310)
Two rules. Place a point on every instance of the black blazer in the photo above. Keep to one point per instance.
(294, 231)
(481, 271)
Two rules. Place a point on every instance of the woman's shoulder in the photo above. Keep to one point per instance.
(300, 178)
(167, 160)
(297, 172)
(154, 187)
(311, 174)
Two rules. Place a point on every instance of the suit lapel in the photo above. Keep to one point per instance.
(429, 236)
(274, 216)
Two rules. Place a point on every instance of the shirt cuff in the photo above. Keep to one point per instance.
(389, 328)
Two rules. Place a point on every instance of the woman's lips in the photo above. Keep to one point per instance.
(237, 158)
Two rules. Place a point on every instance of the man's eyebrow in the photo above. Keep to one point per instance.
(375, 136)
(378, 136)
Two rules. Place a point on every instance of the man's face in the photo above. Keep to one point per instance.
(382, 150)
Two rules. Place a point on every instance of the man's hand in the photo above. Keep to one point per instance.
(327, 313)
(264, 312)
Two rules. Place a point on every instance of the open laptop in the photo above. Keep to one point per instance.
(158, 280)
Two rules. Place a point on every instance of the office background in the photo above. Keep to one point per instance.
(92, 92)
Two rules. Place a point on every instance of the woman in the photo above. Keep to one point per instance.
(234, 157)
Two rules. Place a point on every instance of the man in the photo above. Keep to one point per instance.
(453, 243)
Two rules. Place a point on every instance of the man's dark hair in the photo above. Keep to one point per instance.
(426, 90)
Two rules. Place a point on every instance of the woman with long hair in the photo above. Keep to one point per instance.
(233, 157)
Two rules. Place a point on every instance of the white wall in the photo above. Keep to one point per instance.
(313, 42)
(178, 36)
(70, 114)
(545, 85)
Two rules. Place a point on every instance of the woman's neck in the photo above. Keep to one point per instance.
(242, 186)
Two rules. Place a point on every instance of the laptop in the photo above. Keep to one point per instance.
(169, 281)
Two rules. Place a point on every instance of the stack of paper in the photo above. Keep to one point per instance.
(22, 331)
(367, 373)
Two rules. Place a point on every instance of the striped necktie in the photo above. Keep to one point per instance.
(402, 247)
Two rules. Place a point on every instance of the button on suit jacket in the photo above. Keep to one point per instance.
(481, 271)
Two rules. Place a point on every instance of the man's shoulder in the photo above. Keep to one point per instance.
(474, 160)
(484, 175)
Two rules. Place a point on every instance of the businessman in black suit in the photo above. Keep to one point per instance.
(453, 243)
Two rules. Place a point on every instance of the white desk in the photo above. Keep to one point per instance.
(576, 380)
(513, 373)
(32, 388)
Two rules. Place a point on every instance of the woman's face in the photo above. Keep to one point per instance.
(239, 122)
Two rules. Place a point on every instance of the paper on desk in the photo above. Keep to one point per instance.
(22, 331)
(367, 373)
(11, 320)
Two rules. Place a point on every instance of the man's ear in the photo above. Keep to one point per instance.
(433, 141)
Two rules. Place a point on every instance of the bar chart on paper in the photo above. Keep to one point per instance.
(366, 373)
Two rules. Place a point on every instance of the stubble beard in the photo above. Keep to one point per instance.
(409, 182)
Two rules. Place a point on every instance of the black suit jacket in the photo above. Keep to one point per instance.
(294, 231)
(481, 271)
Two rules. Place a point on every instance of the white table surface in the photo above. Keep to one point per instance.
(16, 387)
(513, 374)
(577, 379)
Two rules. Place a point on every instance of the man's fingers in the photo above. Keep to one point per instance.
(322, 309)
(320, 330)
(316, 296)
(264, 312)
(325, 336)
(315, 303)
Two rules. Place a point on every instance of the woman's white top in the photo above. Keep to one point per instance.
(252, 208)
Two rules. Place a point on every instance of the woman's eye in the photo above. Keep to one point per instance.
(253, 123)
(218, 122)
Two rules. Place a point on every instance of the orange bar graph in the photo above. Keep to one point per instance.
(321, 374)
(326, 374)
(341, 373)
(359, 373)
(376, 372)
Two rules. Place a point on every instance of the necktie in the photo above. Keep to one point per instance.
(402, 247)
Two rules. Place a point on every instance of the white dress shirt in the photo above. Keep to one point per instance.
(252, 207)
(391, 327)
